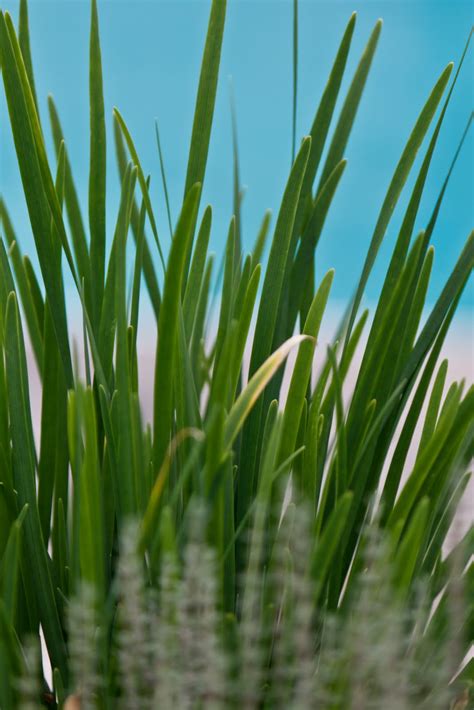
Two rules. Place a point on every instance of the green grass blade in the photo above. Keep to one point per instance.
(295, 80)
(322, 120)
(326, 546)
(302, 370)
(32, 179)
(141, 180)
(168, 329)
(351, 104)
(267, 317)
(10, 567)
(304, 257)
(246, 400)
(126, 483)
(206, 96)
(196, 271)
(25, 45)
(396, 185)
(260, 241)
(97, 170)
(24, 467)
(163, 179)
(148, 266)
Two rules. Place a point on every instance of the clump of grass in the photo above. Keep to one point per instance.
(229, 554)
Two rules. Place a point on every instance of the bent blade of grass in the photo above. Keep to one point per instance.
(24, 469)
(168, 328)
(396, 185)
(148, 266)
(141, 180)
(163, 179)
(246, 400)
(97, 169)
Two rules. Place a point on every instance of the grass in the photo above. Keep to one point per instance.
(160, 561)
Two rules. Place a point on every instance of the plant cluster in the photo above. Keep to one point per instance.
(244, 548)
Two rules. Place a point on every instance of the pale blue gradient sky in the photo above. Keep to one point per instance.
(151, 55)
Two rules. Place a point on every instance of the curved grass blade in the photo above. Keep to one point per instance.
(141, 180)
(148, 266)
(163, 178)
(246, 400)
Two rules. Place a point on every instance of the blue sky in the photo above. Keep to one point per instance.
(151, 56)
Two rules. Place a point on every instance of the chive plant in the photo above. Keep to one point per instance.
(243, 549)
